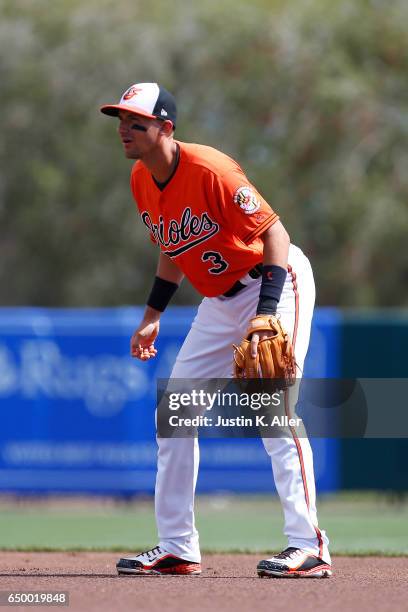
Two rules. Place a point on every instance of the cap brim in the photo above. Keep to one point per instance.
(113, 110)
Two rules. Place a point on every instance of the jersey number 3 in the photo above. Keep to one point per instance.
(219, 264)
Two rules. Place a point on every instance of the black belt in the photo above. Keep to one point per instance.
(255, 272)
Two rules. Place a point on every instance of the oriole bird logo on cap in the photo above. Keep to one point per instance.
(132, 91)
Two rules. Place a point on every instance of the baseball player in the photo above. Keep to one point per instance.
(212, 226)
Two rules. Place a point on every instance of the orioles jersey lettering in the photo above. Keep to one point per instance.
(201, 228)
(209, 218)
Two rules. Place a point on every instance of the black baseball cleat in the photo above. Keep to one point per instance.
(294, 563)
(157, 562)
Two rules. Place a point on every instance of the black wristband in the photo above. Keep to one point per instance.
(273, 279)
(161, 293)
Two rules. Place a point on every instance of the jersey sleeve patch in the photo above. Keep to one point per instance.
(246, 199)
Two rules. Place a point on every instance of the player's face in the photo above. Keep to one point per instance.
(139, 135)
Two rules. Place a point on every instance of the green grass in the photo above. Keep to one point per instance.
(366, 524)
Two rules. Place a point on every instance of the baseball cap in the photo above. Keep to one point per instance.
(145, 99)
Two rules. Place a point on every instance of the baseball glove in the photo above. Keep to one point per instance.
(275, 357)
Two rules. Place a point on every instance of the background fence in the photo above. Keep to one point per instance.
(77, 411)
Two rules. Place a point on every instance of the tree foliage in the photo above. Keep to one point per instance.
(309, 96)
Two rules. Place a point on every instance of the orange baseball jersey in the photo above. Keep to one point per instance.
(208, 219)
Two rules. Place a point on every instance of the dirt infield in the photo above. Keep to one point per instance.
(228, 582)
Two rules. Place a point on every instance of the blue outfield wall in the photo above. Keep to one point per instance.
(78, 412)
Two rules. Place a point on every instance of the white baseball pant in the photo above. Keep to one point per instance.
(207, 353)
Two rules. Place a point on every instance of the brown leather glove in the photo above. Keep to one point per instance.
(275, 357)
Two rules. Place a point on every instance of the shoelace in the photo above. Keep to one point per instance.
(288, 553)
(151, 554)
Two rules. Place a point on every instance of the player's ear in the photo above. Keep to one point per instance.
(166, 127)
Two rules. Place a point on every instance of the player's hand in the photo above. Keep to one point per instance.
(265, 352)
(142, 341)
(255, 338)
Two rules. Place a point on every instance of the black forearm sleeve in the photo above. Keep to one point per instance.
(273, 279)
(161, 293)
